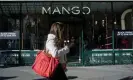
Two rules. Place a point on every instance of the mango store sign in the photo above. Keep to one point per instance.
(69, 10)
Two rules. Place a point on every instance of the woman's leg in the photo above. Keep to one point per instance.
(59, 74)
(64, 66)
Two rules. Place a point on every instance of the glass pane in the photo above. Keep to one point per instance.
(9, 27)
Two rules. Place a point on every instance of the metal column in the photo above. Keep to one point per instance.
(113, 39)
(20, 34)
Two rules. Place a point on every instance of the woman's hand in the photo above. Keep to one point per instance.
(70, 45)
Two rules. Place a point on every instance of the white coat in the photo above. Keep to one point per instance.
(53, 50)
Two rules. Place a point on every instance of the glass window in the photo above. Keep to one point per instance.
(97, 25)
(9, 27)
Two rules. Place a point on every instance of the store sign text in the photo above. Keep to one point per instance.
(126, 33)
(69, 10)
(9, 35)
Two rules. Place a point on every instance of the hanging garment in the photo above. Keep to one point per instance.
(102, 32)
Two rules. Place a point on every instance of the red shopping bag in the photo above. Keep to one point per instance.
(44, 64)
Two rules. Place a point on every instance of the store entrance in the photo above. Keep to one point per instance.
(73, 30)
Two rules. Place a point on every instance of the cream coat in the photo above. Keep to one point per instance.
(50, 46)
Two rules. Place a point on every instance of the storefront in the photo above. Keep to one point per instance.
(89, 23)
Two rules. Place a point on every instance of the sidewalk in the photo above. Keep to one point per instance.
(111, 72)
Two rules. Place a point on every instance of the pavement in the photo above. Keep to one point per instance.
(108, 72)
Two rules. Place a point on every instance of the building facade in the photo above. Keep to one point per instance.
(89, 23)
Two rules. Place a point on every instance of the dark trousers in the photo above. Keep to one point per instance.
(59, 74)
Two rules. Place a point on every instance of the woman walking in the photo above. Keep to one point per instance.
(55, 46)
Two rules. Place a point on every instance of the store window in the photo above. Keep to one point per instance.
(35, 30)
(27, 18)
(9, 26)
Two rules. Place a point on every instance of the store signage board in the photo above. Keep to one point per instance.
(9, 35)
(69, 10)
(124, 33)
